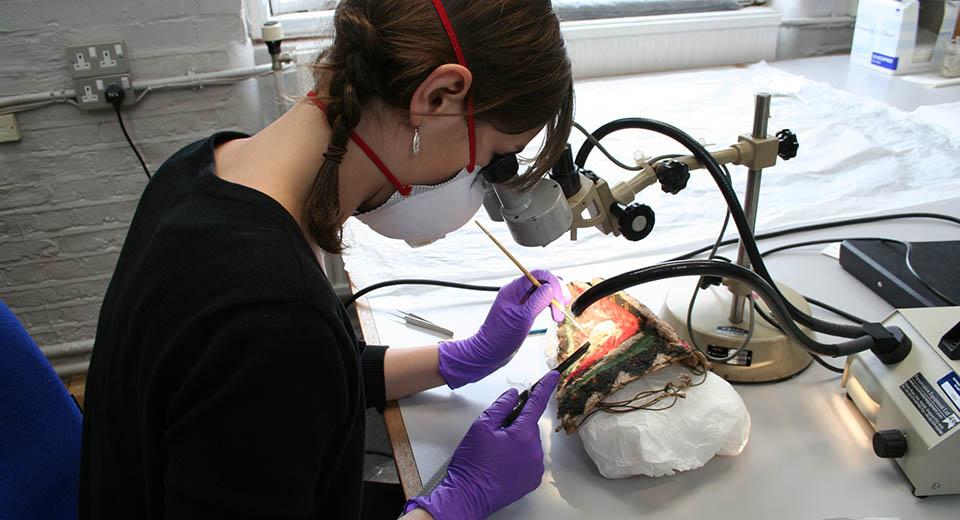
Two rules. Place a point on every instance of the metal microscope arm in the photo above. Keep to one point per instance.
(574, 198)
(612, 211)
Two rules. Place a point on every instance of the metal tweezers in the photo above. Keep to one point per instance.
(423, 323)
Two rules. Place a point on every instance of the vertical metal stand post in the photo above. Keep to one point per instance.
(761, 117)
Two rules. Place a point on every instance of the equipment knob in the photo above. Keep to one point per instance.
(788, 144)
(635, 221)
(272, 34)
(673, 175)
(566, 173)
(889, 444)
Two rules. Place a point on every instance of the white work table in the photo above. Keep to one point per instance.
(809, 455)
(862, 81)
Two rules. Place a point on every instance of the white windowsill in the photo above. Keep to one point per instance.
(670, 23)
(319, 24)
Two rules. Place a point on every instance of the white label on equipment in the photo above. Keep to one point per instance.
(929, 404)
(950, 384)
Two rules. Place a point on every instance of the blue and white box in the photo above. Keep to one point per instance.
(903, 37)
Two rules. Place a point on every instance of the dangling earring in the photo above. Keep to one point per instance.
(416, 140)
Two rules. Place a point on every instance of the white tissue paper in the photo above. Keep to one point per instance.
(712, 420)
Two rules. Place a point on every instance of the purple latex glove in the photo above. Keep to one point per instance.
(493, 467)
(506, 327)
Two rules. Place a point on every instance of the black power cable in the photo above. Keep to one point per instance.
(764, 289)
(838, 312)
(826, 225)
(114, 95)
(733, 203)
(908, 250)
(830, 308)
(766, 317)
(811, 227)
(596, 142)
(359, 294)
(713, 252)
(843, 314)
(773, 323)
(700, 286)
(734, 209)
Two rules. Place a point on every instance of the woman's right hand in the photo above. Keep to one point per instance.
(493, 466)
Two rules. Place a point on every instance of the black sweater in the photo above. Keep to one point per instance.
(225, 381)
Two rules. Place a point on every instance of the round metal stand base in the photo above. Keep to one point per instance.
(770, 356)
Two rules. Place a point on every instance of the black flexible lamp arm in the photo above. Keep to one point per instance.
(890, 345)
(736, 210)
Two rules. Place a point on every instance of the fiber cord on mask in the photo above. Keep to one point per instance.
(737, 212)
(764, 289)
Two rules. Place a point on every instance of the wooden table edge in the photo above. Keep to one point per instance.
(392, 416)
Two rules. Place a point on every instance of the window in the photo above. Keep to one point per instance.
(596, 31)
(314, 18)
(300, 18)
(571, 10)
(278, 7)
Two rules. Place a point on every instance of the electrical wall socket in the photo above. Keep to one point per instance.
(98, 59)
(91, 91)
(8, 128)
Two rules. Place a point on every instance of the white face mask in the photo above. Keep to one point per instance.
(429, 212)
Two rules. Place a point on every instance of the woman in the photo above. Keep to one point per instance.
(225, 379)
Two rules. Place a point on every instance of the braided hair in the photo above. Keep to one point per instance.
(350, 82)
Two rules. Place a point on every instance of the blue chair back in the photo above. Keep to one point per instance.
(40, 427)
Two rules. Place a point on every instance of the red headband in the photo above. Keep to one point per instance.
(462, 60)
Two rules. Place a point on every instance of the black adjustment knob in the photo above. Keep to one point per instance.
(673, 175)
(788, 144)
(566, 174)
(635, 221)
(889, 444)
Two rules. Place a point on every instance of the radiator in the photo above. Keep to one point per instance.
(613, 47)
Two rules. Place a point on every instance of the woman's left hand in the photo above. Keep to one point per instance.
(507, 325)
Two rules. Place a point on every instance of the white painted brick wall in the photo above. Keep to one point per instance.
(69, 188)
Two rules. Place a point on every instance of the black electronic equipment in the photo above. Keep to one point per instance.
(882, 267)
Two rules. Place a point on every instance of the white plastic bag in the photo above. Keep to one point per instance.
(711, 420)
